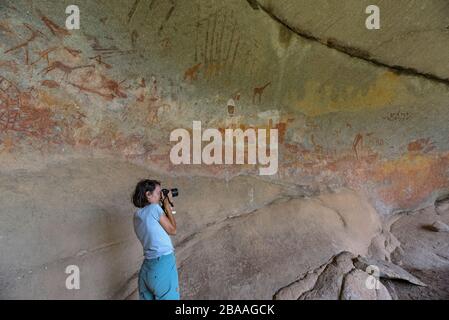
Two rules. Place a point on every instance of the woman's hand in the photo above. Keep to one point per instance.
(167, 200)
(169, 197)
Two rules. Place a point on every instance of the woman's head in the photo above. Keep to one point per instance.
(146, 192)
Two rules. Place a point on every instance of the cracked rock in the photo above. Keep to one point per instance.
(337, 279)
(345, 277)
(329, 283)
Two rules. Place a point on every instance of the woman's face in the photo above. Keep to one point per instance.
(155, 196)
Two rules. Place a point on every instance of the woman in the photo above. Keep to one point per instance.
(158, 276)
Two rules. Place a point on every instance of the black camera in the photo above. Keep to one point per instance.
(174, 192)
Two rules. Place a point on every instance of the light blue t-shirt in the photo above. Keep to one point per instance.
(155, 240)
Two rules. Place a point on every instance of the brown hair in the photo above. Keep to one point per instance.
(139, 198)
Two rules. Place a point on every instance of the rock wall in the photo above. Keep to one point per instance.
(84, 114)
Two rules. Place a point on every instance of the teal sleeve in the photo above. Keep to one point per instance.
(156, 212)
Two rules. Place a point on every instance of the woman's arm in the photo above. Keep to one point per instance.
(168, 221)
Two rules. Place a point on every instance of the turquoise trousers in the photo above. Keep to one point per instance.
(158, 279)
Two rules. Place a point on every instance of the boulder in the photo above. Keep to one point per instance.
(438, 226)
(355, 288)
